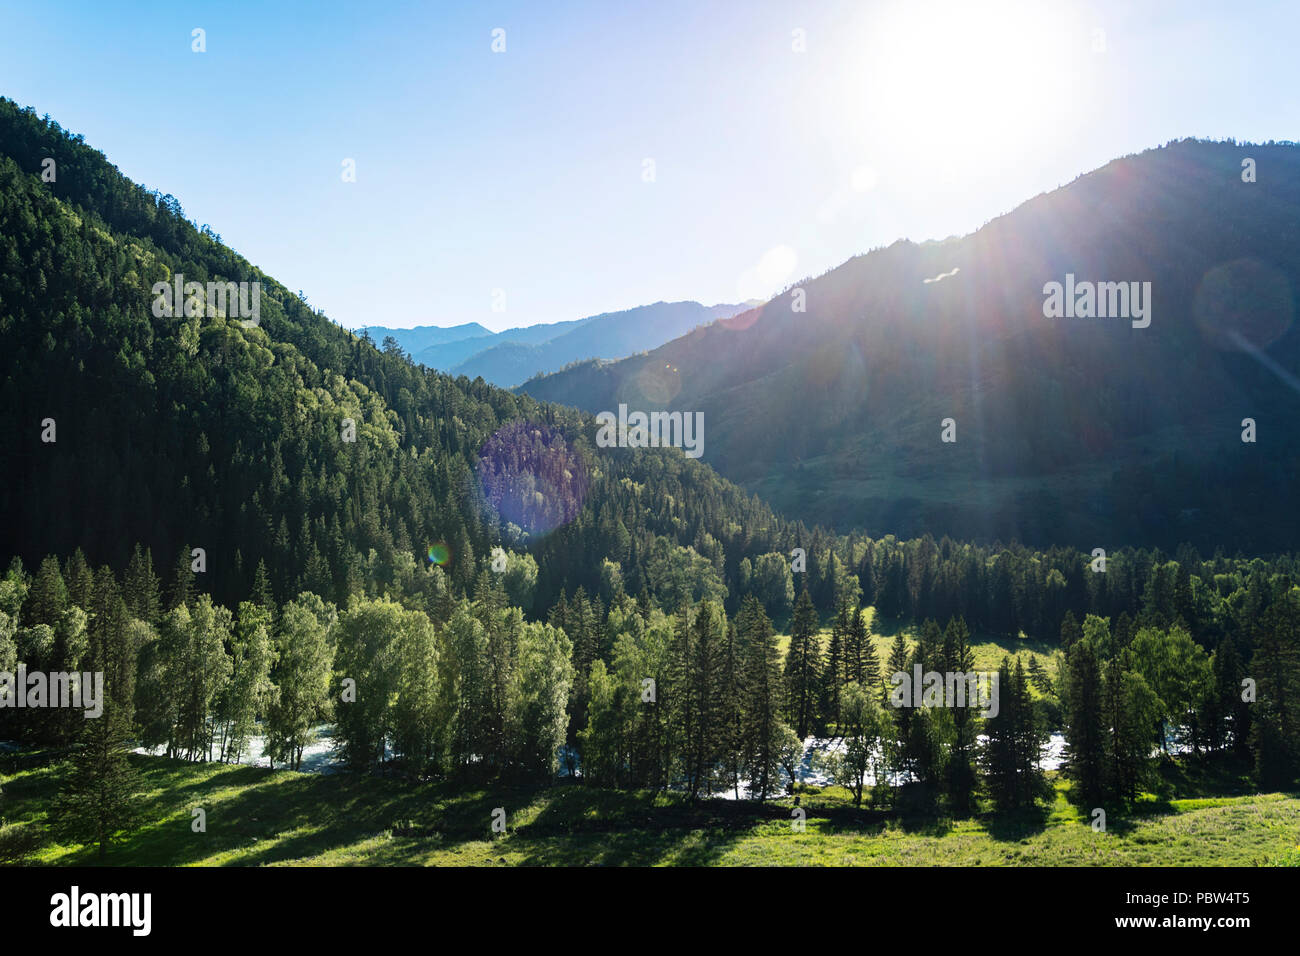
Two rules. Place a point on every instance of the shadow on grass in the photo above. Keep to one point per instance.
(1012, 826)
(582, 826)
(249, 809)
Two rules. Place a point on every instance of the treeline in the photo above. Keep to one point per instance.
(1007, 590)
(473, 691)
(626, 694)
(1123, 695)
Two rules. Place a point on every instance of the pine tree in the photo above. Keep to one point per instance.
(47, 598)
(929, 649)
(1071, 633)
(182, 580)
(681, 720)
(1015, 738)
(731, 718)
(1086, 725)
(79, 578)
(704, 685)
(833, 674)
(897, 730)
(581, 626)
(868, 672)
(961, 759)
(803, 666)
(262, 593)
(99, 799)
(1275, 729)
(140, 588)
(926, 745)
(1030, 737)
(761, 714)
(855, 645)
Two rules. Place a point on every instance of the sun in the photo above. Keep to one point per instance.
(960, 83)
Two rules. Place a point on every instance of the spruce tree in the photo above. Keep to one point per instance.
(803, 666)
(1071, 633)
(99, 798)
(868, 673)
(1014, 744)
(1275, 730)
(898, 731)
(961, 760)
(140, 588)
(704, 686)
(47, 598)
(79, 579)
(761, 714)
(832, 678)
(182, 580)
(262, 593)
(1086, 725)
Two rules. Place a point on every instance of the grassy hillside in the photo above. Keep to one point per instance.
(989, 649)
(259, 817)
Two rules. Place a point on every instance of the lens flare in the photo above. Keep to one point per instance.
(1244, 306)
(531, 478)
(439, 553)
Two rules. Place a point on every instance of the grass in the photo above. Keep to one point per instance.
(988, 649)
(258, 817)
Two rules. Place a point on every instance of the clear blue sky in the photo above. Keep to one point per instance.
(523, 170)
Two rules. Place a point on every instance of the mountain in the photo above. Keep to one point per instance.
(451, 354)
(124, 425)
(445, 347)
(426, 336)
(611, 335)
(511, 357)
(1077, 431)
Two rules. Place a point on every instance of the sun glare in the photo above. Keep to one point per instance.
(964, 84)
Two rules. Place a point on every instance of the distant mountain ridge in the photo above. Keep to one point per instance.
(425, 336)
(607, 336)
(447, 356)
(511, 357)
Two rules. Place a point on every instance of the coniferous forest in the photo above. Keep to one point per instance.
(912, 562)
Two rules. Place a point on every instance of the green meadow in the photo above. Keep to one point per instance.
(260, 817)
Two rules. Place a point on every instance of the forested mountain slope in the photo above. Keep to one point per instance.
(200, 432)
(1071, 431)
